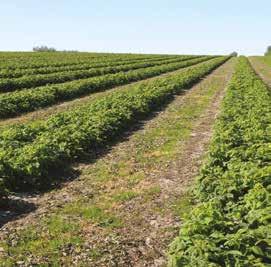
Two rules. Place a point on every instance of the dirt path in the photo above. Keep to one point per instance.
(262, 69)
(124, 209)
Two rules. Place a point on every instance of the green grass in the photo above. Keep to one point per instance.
(93, 213)
(124, 196)
(53, 234)
(152, 191)
(57, 232)
(183, 205)
(135, 178)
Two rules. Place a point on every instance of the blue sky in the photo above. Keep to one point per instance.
(180, 27)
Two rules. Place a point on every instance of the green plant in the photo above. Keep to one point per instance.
(15, 103)
(29, 153)
(230, 225)
(29, 81)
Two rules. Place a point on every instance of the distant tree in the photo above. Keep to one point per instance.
(268, 51)
(44, 48)
(234, 54)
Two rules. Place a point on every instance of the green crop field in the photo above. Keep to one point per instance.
(134, 159)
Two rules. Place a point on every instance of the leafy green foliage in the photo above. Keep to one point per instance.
(14, 103)
(27, 61)
(65, 76)
(29, 153)
(110, 61)
(230, 225)
(3, 192)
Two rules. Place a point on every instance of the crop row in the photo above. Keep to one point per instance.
(230, 226)
(41, 60)
(30, 153)
(61, 77)
(18, 102)
(82, 66)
